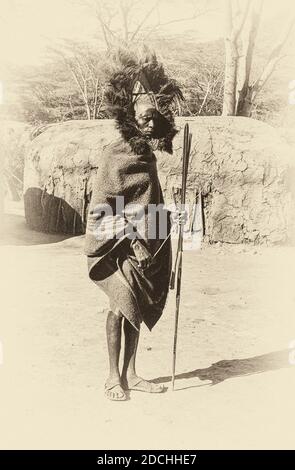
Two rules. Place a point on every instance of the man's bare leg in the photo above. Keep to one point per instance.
(113, 388)
(130, 379)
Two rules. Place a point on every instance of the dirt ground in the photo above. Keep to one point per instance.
(235, 381)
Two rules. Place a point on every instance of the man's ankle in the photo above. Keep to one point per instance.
(113, 376)
(129, 374)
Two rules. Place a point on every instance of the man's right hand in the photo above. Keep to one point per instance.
(142, 254)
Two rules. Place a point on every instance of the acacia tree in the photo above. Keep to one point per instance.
(127, 22)
(86, 70)
(45, 93)
(201, 83)
(240, 92)
(69, 85)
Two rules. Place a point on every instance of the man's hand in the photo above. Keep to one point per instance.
(143, 256)
(179, 217)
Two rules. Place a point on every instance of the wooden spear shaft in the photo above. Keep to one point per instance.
(177, 272)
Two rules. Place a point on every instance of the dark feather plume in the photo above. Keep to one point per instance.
(126, 68)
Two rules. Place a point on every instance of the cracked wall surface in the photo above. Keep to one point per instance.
(243, 168)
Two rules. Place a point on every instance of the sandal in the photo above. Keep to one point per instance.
(145, 386)
(109, 392)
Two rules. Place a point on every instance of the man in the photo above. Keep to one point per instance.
(129, 253)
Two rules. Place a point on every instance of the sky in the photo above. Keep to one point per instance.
(27, 27)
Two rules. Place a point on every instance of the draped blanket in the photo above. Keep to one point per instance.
(127, 203)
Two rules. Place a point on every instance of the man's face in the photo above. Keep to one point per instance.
(146, 121)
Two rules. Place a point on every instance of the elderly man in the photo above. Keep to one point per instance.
(127, 237)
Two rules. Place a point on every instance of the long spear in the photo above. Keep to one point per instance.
(177, 271)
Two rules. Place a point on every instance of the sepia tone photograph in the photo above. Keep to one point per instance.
(147, 236)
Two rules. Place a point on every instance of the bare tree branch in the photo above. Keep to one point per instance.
(239, 27)
(273, 59)
(125, 11)
(243, 103)
(187, 18)
(139, 27)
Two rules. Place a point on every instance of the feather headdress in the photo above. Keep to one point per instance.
(135, 78)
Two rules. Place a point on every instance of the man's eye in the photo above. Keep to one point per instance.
(146, 117)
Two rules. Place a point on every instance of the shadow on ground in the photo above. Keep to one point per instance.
(229, 369)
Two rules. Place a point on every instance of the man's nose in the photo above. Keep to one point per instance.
(151, 124)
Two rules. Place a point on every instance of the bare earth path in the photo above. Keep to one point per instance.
(235, 385)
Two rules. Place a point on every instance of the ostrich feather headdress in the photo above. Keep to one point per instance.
(134, 78)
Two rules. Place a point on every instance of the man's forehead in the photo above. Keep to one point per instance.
(148, 113)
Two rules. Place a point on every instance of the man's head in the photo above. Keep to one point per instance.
(137, 80)
(146, 119)
(152, 124)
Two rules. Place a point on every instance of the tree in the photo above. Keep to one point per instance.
(86, 69)
(242, 26)
(69, 85)
(129, 22)
(199, 69)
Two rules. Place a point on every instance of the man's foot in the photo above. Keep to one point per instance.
(142, 385)
(114, 391)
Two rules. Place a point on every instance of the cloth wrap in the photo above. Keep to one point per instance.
(140, 295)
